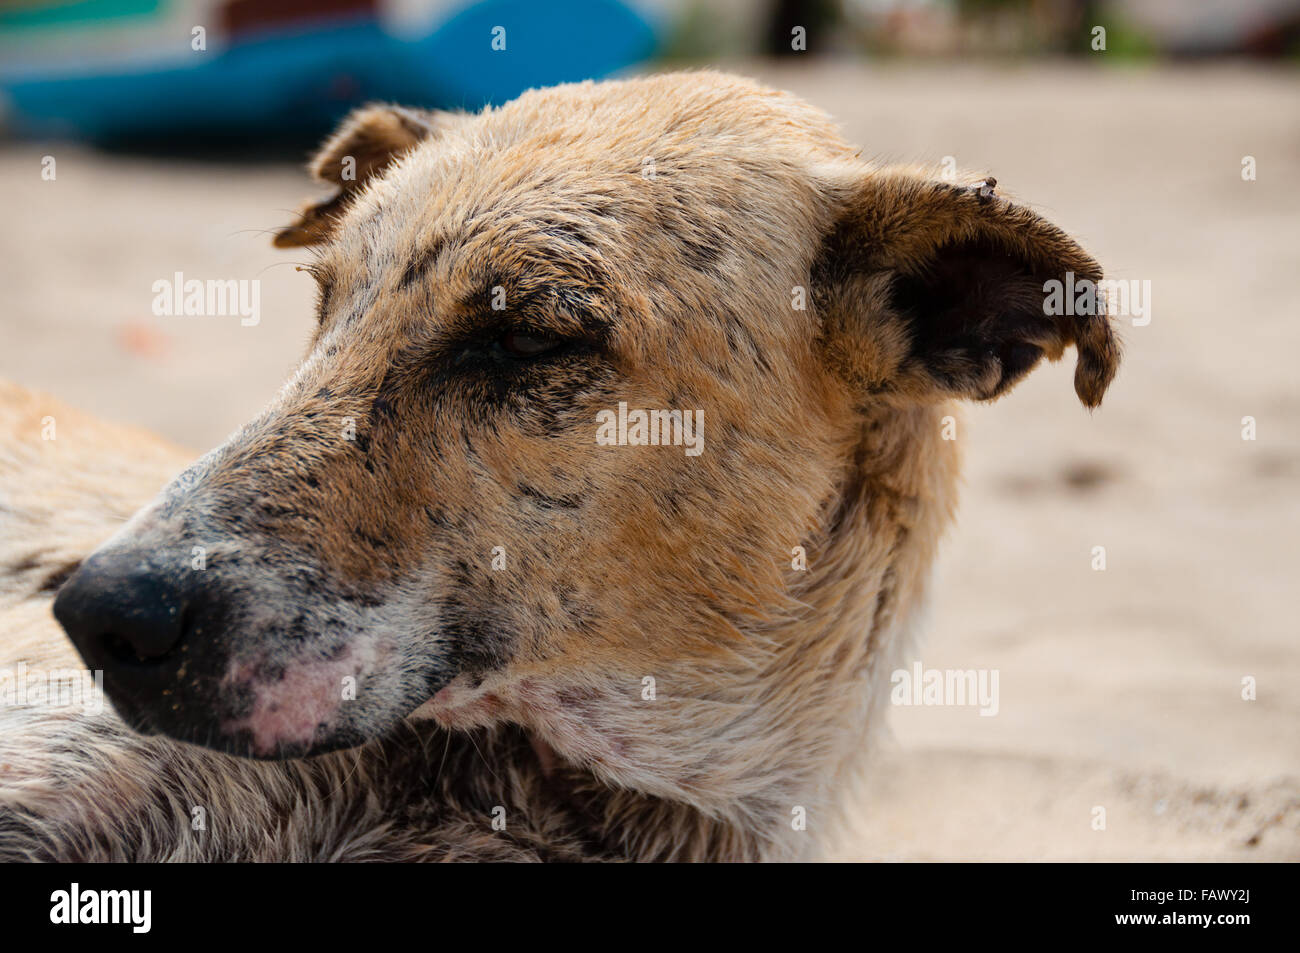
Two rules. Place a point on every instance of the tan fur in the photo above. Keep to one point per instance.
(523, 688)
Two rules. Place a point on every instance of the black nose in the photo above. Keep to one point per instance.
(123, 612)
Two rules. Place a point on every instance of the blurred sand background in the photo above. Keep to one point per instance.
(1119, 689)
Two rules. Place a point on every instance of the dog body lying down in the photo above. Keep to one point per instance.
(452, 623)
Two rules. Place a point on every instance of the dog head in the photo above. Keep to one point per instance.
(588, 367)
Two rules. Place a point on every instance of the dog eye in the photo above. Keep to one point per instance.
(524, 345)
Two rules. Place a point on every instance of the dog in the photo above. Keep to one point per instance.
(464, 591)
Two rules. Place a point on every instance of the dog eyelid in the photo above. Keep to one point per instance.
(525, 344)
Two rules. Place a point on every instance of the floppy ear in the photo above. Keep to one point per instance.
(930, 290)
(367, 142)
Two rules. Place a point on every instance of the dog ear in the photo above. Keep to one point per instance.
(366, 143)
(929, 290)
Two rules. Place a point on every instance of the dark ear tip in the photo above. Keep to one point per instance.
(1099, 354)
(1090, 397)
(1094, 373)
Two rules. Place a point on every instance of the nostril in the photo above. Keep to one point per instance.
(143, 638)
(123, 613)
(121, 650)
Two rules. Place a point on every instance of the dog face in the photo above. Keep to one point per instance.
(588, 368)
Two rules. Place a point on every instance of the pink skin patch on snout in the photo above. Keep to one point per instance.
(293, 710)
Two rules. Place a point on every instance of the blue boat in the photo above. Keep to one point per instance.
(117, 69)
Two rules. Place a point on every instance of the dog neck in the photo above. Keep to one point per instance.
(767, 760)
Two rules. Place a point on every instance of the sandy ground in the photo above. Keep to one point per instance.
(1121, 688)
